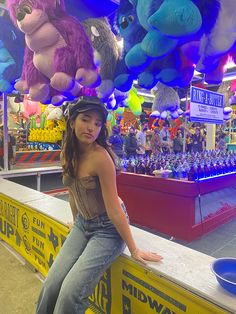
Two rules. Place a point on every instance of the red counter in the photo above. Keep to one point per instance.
(182, 209)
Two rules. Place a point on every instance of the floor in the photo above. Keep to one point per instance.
(19, 285)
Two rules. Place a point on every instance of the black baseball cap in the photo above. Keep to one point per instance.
(83, 104)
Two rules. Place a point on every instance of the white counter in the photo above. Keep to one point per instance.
(185, 267)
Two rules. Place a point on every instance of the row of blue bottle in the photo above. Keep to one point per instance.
(184, 166)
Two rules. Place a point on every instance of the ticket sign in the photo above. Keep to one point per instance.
(206, 106)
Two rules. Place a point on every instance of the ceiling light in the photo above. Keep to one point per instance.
(184, 99)
(146, 95)
(229, 78)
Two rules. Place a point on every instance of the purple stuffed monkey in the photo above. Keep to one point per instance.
(58, 55)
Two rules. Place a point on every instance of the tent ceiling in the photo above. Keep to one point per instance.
(84, 9)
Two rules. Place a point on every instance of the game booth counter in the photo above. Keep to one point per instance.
(34, 225)
(182, 209)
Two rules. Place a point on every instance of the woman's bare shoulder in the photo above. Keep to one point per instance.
(100, 153)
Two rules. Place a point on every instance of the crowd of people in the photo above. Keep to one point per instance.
(146, 142)
(141, 141)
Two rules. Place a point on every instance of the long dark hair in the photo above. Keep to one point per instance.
(70, 149)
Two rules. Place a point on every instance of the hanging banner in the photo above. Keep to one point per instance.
(206, 106)
(36, 237)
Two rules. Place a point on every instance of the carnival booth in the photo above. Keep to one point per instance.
(181, 209)
(163, 43)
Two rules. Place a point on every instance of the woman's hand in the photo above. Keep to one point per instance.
(144, 256)
(70, 225)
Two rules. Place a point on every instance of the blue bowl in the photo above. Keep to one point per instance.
(225, 272)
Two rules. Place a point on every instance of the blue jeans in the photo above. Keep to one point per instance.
(90, 248)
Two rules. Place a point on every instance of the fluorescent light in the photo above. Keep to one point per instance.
(146, 95)
(196, 73)
(229, 78)
(216, 176)
(230, 64)
(184, 99)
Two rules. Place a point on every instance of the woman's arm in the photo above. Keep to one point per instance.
(107, 176)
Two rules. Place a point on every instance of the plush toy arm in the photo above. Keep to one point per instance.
(123, 77)
(28, 63)
(30, 76)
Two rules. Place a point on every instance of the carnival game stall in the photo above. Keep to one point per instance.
(185, 210)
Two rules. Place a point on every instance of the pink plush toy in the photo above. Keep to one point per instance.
(30, 108)
(58, 56)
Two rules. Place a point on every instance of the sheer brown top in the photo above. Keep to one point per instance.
(87, 195)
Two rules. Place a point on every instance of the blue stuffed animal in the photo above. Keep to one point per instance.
(170, 69)
(129, 28)
(166, 21)
(171, 23)
(11, 53)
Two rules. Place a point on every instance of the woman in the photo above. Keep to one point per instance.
(101, 226)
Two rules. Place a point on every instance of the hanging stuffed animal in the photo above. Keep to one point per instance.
(106, 53)
(220, 38)
(166, 100)
(58, 56)
(11, 53)
(166, 22)
(173, 69)
(128, 27)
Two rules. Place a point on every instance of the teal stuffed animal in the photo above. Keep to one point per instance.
(172, 69)
(6, 63)
(166, 22)
(11, 53)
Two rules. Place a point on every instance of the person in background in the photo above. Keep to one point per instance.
(116, 141)
(131, 143)
(12, 140)
(166, 143)
(178, 142)
(141, 140)
(10, 150)
(156, 142)
(197, 141)
(221, 143)
(101, 225)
